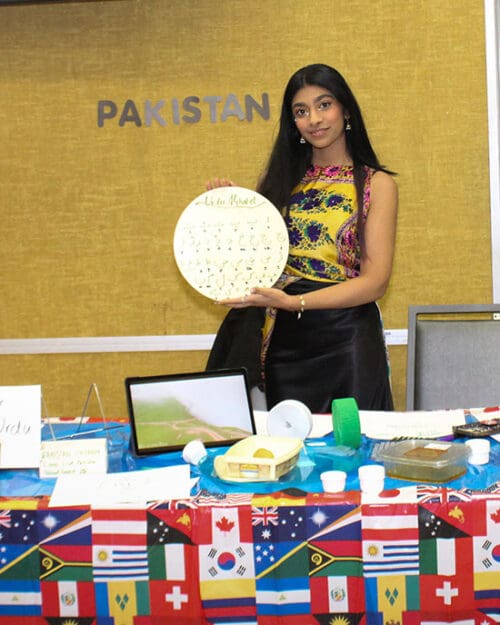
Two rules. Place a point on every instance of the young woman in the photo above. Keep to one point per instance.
(323, 338)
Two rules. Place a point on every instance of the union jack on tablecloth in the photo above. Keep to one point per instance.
(439, 494)
(5, 518)
(265, 516)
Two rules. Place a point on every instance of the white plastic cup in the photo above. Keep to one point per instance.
(333, 481)
(479, 450)
(371, 478)
(194, 452)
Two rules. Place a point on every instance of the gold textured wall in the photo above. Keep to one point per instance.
(88, 212)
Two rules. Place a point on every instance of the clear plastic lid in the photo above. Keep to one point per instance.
(421, 453)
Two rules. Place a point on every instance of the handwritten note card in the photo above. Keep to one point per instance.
(65, 457)
(20, 426)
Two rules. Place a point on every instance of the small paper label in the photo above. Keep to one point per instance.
(69, 457)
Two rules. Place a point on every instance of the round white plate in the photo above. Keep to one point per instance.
(229, 240)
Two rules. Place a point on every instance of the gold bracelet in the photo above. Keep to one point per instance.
(302, 306)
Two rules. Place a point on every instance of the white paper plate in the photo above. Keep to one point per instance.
(229, 240)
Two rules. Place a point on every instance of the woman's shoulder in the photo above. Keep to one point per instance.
(383, 182)
(384, 193)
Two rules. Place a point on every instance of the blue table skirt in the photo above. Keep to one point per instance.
(317, 456)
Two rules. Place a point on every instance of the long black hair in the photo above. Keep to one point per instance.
(290, 159)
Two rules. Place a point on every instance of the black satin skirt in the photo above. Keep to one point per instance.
(328, 354)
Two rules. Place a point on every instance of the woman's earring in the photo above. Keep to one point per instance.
(302, 140)
(347, 124)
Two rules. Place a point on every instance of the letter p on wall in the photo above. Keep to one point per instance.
(106, 109)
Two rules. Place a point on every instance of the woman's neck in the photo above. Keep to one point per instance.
(330, 158)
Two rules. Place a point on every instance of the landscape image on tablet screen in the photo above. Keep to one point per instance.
(172, 413)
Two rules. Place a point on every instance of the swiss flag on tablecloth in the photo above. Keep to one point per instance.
(450, 592)
(175, 600)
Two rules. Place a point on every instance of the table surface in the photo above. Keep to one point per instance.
(414, 554)
(318, 455)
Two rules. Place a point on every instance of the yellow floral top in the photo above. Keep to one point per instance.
(322, 224)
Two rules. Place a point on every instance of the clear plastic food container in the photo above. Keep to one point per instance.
(422, 460)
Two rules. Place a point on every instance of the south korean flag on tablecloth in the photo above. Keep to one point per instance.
(226, 563)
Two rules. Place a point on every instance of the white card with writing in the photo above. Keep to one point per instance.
(20, 426)
(73, 457)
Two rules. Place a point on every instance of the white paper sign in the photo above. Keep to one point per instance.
(420, 423)
(69, 457)
(134, 487)
(20, 426)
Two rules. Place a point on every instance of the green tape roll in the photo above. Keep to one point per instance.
(346, 424)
